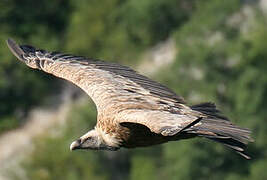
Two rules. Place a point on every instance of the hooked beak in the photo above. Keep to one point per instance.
(75, 145)
(15, 49)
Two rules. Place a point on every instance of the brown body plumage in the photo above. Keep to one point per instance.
(133, 111)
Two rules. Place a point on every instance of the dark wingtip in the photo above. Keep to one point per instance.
(15, 49)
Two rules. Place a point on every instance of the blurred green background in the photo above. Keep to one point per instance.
(221, 57)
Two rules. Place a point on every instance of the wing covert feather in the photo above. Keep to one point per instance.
(160, 122)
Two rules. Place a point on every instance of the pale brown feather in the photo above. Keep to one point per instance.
(133, 110)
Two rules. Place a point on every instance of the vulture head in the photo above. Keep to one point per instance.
(92, 140)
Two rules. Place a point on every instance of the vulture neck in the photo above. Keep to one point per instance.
(108, 139)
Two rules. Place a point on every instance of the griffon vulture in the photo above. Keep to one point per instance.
(133, 110)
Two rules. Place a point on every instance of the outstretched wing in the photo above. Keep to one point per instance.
(115, 89)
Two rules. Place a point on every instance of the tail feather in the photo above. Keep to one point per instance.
(209, 109)
(218, 128)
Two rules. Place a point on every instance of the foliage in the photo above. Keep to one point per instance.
(26, 21)
(120, 29)
(221, 58)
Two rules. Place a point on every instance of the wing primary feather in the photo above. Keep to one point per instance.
(15, 49)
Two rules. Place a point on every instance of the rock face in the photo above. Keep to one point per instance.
(159, 56)
(263, 6)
